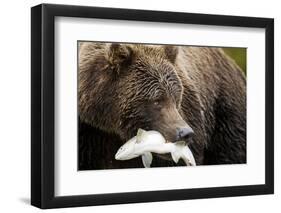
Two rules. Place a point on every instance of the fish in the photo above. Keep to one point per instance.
(147, 142)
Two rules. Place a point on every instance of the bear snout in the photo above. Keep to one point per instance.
(172, 125)
(184, 133)
(176, 131)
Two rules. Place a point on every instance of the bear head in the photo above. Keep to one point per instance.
(123, 87)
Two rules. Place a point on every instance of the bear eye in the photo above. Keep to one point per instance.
(156, 103)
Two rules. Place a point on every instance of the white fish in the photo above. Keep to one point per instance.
(146, 142)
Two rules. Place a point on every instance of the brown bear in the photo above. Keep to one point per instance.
(196, 94)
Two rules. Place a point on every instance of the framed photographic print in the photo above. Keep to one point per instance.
(139, 106)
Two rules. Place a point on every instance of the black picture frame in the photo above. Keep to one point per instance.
(43, 117)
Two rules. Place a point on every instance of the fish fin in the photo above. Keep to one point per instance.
(146, 159)
(176, 155)
(190, 156)
(140, 134)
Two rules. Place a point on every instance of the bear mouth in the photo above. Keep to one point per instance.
(187, 139)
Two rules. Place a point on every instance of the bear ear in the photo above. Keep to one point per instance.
(119, 56)
(171, 52)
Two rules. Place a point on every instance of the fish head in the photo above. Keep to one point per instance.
(126, 151)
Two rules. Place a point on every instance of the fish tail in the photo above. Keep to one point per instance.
(182, 151)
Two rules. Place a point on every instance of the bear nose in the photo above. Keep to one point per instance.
(184, 133)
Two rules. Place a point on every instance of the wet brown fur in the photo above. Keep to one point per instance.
(126, 87)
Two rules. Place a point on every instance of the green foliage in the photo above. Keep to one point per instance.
(239, 55)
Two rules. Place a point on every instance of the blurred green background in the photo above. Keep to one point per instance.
(239, 55)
